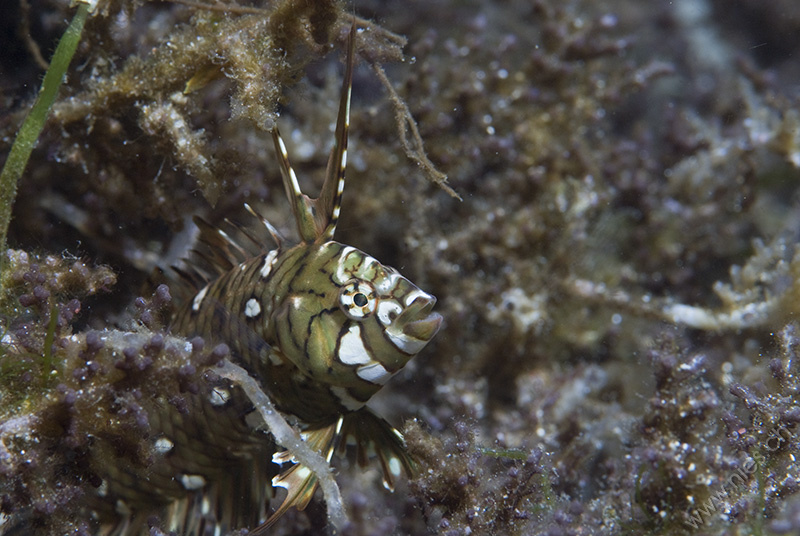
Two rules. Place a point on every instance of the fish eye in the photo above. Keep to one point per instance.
(358, 299)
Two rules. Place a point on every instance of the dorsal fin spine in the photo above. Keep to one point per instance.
(274, 233)
(316, 218)
(301, 204)
(331, 196)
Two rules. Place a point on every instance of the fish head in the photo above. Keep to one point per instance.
(352, 323)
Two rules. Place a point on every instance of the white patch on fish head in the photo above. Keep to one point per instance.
(351, 348)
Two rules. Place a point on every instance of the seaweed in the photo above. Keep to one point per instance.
(34, 122)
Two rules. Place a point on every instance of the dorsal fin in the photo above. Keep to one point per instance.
(316, 218)
(218, 249)
(274, 233)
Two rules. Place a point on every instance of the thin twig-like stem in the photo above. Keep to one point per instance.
(414, 148)
(25, 30)
(286, 437)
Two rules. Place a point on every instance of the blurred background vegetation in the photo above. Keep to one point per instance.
(619, 280)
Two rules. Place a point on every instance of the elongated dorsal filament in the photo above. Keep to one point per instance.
(316, 218)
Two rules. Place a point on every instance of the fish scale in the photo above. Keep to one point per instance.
(320, 325)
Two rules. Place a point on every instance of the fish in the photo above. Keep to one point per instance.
(322, 326)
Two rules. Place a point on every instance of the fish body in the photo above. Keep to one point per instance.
(324, 325)
(321, 325)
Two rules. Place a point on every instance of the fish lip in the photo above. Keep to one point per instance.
(418, 320)
(424, 329)
(416, 310)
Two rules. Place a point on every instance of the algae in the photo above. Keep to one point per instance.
(20, 152)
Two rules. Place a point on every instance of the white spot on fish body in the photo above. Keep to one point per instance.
(198, 299)
(219, 397)
(269, 260)
(394, 466)
(344, 397)
(163, 445)
(275, 359)
(252, 308)
(192, 482)
(303, 472)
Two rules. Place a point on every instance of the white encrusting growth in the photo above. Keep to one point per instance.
(374, 373)
(252, 308)
(351, 348)
(198, 299)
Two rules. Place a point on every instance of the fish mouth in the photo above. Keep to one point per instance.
(417, 321)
